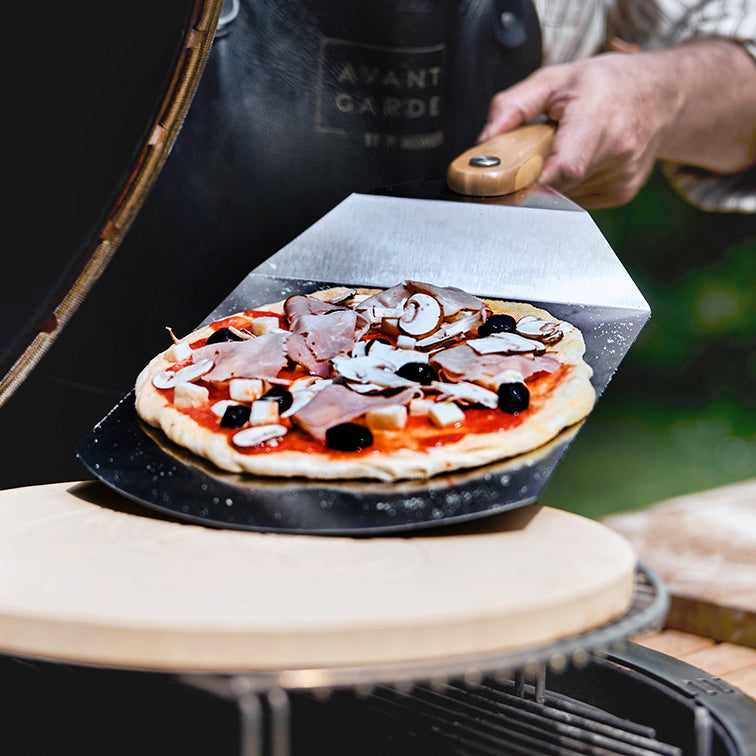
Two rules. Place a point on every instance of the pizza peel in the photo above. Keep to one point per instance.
(529, 244)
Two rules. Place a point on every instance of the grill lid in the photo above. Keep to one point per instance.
(114, 92)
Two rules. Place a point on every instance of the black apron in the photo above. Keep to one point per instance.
(302, 102)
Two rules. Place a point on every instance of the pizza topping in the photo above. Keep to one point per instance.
(462, 362)
(547, 331)
(513, 397)
(167, 379)
(465, 392)
(451, 299)
(280, 396)
(337, 404)
(497, 324)
(421, 316)
(503, 343)
(443, 414)
(393, 417)
(190, 395)
(369, 369)
(245, 389)
(348, 437)
(300, 353)
(223, 334)
(235, 416)
(505, 376)
(302, 391)
(258, 435)
(263, 412)
(259, 357)
(339, 298)
(329, 334)
(219, 408)
(420, 407)
(264, 324)
(178, 352)
(392, 297)
(420, 372)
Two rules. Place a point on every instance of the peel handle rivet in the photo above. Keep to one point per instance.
(484, 161)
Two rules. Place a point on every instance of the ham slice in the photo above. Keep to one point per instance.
(451, 299)
(392, 297)
(300, 353)
(337, 404)
(464, 363)
(258, 357)
(328, 329)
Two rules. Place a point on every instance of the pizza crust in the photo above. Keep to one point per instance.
(570, 401)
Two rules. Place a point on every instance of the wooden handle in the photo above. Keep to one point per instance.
(517, 158)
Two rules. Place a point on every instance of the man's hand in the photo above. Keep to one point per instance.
(617, 113)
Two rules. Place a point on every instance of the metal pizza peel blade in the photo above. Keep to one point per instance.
(534, 245)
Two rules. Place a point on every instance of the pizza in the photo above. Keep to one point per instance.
(402, 383)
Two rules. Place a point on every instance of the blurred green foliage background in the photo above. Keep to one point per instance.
(680, 413)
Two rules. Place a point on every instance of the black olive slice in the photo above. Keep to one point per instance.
(421, 372)
(235, 416)
(497, 324)
(348, 437)
(279, 394)
(223, 334)
(513, 397)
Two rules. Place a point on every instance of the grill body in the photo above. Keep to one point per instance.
(632, 702)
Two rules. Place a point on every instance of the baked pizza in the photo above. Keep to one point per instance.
(402, 383)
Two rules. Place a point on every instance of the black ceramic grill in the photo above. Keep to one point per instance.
(592, 694)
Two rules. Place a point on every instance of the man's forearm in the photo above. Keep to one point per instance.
(712, 123)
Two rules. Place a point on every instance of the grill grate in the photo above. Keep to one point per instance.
(492, 719)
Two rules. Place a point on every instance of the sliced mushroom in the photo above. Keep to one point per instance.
(258, 435)
(339, 298)
(466, 392)
(422, 315)
(167, 379)
(547, 331)
(438, 340)
(219, 408)
(365, 388)
(303, 393)
(505, 343)
(393, 357)
(356, 368)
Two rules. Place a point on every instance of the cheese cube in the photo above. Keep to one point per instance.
(189, 394)
(261, 326)
(245, 389)
(405, 342)
(443, 414)
(263, 412)
(420, 407)
(506, 376)
(393, 417)
(178, 352)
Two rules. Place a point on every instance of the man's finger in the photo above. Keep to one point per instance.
(574, 150)
(517, 105)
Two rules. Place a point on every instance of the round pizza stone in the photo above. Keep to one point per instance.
(90, 578)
